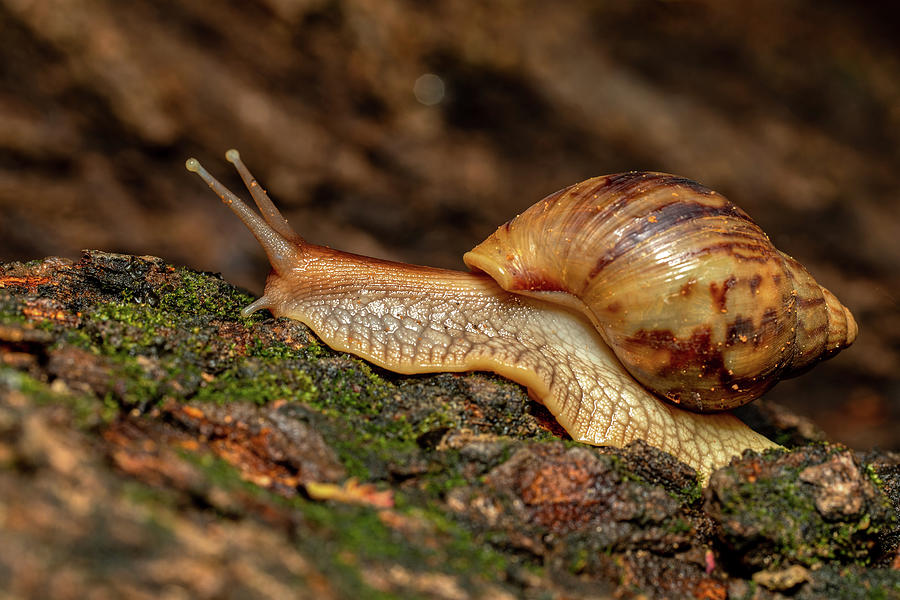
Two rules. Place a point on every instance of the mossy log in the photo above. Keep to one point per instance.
(154, 442)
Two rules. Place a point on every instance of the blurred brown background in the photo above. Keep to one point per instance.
(791, 109)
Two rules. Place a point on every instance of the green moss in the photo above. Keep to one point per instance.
(466, 553)
(679, 525)
(75, 337)
(873, 476)
(176, 333)
(10, 310)
(128, 328)
(141, 316)
(123, 331)
(203, 293)
(220, 474)
(87, 412)
(343, 538)
(853, 584)
(280, 351)
(369, 450)
(352, 391)
(578, 561)
(778, 516)
(265, 385)
(441, 483)
(438, 543)
(135, 385)
(165, 346)
(691, 494)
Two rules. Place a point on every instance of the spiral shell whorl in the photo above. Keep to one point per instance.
(825, 326)
(685, 288)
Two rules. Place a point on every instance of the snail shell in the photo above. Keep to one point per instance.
(686, 289)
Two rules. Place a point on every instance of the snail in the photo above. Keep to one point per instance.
(633, 306)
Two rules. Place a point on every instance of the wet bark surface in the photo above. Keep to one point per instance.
(153, 443)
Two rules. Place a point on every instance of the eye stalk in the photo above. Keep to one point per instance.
(282, 244)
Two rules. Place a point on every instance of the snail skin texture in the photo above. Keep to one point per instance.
(630, 305)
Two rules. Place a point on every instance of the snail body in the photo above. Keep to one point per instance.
(549, 306)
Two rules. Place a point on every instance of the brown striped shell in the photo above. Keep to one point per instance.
(686, 289)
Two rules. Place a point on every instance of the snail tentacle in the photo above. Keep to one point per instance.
(267, 208)
(283, 253)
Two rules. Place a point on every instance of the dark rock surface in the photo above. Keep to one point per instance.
(153, 443)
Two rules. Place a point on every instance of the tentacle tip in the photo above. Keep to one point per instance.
(232, 156)
(192, 165)
(258, 304)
